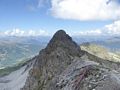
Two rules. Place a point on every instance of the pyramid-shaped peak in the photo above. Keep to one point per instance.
(61, 35)
(63, 41)
(60, 32)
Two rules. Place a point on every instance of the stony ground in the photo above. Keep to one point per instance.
(16, 80)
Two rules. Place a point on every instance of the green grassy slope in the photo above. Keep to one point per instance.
(101, 52)
(8, 70)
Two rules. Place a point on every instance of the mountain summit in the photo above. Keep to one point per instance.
(51, 61)
(64, 41)
(61, 36)
(62, 65)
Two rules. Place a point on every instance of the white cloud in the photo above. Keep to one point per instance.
(37, 5)
(112, 29)
(108, 30)
(19, 32)
(37, 33)
(88, 32)
(86, 9)
(15, 32)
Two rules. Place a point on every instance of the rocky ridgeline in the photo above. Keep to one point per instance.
(62, 65)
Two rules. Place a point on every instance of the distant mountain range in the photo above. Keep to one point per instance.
(112, 43)
(16, 49)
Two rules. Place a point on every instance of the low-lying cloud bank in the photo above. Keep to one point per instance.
(19, 32)
(108, 30)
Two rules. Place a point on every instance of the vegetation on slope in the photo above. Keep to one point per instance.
(8, 70)
(100, 51)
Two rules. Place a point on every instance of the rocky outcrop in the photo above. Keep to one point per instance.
(51, 61)
(62, 65)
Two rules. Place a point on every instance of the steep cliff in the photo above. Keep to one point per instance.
(62, 65)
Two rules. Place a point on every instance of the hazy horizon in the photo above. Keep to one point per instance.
(45, 17)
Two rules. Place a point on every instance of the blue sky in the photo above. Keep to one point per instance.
(52, 15)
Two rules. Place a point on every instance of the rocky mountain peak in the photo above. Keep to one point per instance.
(61, 35)
(51, 61)
(62, 65)
(64, 41)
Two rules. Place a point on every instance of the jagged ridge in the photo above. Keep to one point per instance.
(51, 61)
(63, 58)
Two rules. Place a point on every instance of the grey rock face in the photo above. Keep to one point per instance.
(52, 60)
(62, 65)
(64, 41)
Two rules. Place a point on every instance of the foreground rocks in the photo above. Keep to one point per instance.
(87, 75)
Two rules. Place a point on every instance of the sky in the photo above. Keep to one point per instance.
(45, 17)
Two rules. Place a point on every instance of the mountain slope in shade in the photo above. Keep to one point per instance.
(52, 60)
(62, 65)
